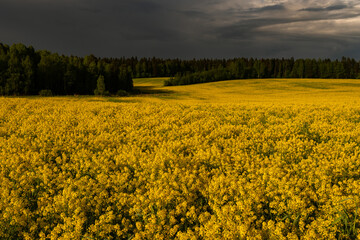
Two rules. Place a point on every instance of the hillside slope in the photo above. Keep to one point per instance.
(293, 91)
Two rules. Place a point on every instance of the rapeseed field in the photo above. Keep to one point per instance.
(241, 160)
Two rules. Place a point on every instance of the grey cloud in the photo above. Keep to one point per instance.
(245, 28)
(268, 8)
(325, 9)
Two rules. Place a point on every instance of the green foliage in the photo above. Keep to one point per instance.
(45, 93)
(270, 68)
(25, 72)
(202, 77)
(122, 93)
(19, 70)
(100, 89)
(347, 220)
(124, 77)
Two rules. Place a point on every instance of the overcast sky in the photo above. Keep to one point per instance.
(185, 28)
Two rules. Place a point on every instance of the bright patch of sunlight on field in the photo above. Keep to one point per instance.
(254, 91)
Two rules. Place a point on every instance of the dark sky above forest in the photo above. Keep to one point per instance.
(185, 28)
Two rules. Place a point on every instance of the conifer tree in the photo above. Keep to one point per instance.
(100, 88)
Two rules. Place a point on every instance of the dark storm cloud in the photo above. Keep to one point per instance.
(325, 9)
(268, 8)
(185, 29)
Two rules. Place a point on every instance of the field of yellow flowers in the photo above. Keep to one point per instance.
(86, 168)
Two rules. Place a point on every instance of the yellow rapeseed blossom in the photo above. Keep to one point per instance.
(80, 169)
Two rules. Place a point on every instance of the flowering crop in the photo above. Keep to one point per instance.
(81, 169)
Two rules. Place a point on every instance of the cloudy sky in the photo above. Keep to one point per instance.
(185, 28)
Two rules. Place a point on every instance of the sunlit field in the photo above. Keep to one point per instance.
(242, 159)
(256, 91)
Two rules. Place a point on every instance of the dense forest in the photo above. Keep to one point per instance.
(243, 68)
(24, 71)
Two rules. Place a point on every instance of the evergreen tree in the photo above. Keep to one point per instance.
(100, 87)
(70, 77)
(29, 75)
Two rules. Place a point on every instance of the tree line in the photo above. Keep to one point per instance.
(244, 68)
(24, 71)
